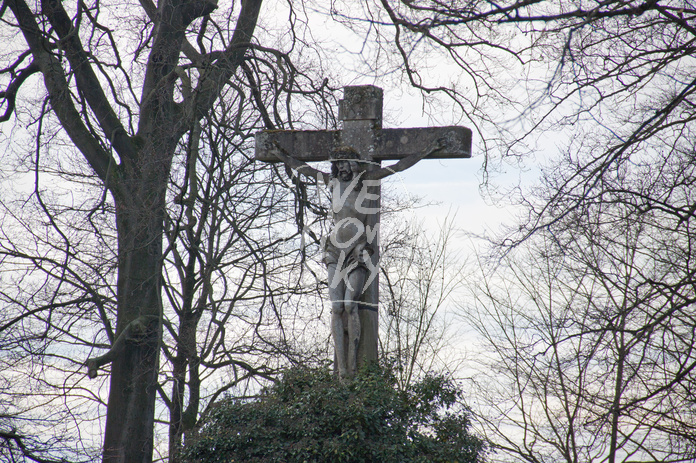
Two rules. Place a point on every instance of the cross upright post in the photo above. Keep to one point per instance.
(362, 133)
(361, 113)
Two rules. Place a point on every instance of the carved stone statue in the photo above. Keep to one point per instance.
(348, 254)
(349, 248)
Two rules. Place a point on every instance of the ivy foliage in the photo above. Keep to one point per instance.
(310, 416)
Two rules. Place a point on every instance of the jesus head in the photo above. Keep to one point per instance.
(345, 163)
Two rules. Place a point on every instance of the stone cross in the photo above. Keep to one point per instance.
(361, 113)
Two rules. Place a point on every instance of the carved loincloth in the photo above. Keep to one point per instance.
(349, 257)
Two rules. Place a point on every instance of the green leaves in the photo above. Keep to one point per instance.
(309, 416)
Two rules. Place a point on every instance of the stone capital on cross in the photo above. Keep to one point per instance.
(351, 252)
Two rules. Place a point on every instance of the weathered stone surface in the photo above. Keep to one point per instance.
(306, 145)
(361, 103)
(390, 144)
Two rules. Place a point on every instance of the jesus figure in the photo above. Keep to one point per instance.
(351, 244)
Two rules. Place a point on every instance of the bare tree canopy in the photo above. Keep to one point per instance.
(129, 84)
(617, 76)
(589, 332)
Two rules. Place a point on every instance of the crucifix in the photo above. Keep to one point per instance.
(351, 252)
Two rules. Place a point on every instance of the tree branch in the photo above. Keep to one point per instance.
(211, 83)
(16, 82)
(18, 439)
(87, 82)
(132, 332)
(59, 93)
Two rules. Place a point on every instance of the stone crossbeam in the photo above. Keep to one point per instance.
(390, 144)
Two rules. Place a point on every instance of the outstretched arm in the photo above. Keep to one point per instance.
(299, 166)
(406, 162)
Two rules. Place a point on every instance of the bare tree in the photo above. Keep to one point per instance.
(591, 324)
(616, 79)
(231, 269)
(622, 67)
(128, 88)
(56, 288)
(421, 274)
(222, 271)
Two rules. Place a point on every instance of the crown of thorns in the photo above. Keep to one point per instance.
(344, 153)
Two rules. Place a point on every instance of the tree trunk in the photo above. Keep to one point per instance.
(139, 220)
(182, 418)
